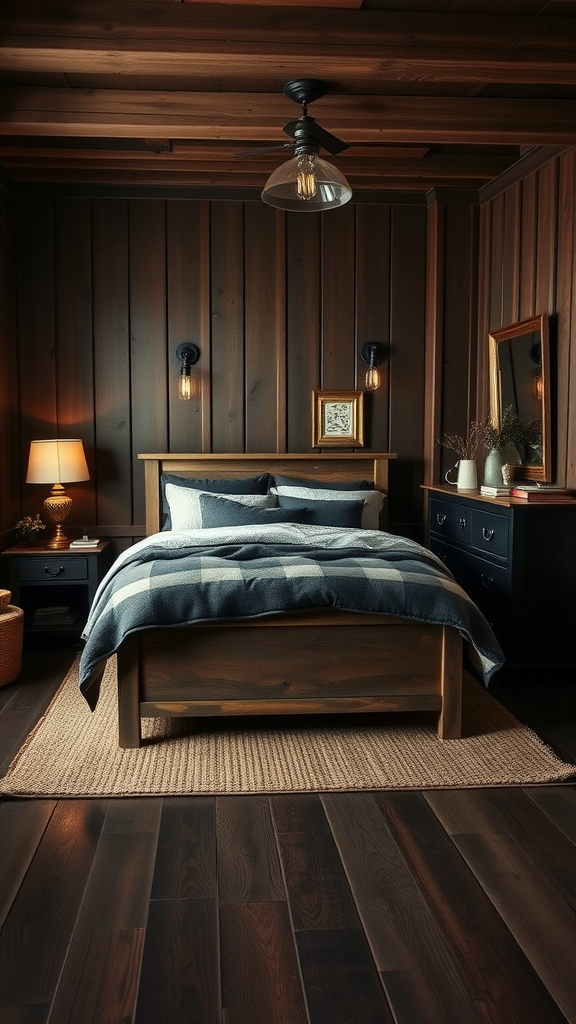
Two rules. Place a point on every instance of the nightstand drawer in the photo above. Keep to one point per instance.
(450, 521)
(489, 532)
(52, 568)
(480, 579)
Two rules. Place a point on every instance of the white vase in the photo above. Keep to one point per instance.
(467, 475)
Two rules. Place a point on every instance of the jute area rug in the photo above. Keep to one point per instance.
(74, 753)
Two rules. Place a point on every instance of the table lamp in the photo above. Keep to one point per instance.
(57, 462)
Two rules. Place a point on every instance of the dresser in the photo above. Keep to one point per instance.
(518, 563)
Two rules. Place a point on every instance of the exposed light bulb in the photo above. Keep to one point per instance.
(186, 387)
(372, 378)
(306, 182)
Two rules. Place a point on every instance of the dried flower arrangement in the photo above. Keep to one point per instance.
(466, 447)
(510, 431)
(29, 525)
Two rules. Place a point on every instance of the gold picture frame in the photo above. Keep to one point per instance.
(337, 419)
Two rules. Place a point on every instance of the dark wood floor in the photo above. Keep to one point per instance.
(407, 908)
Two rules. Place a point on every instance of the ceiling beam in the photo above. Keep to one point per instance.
(258, 117)
(196, 39)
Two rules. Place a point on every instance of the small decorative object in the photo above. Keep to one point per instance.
(507, 474)
(467, 449)
(501, 442)
(5, 598)
(337, 419)
(29, 530)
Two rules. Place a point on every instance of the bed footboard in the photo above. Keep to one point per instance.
(318, 663)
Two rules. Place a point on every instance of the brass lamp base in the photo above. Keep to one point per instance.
(57, 508)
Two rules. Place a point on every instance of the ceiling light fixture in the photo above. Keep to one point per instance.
(307, 183)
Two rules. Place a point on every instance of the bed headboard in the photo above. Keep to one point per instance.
(328, 467)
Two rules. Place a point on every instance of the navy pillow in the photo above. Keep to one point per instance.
(217, 511)
(326, 513)
(244, 485)
(321, 485)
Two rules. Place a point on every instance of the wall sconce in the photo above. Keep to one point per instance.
(57, 462)
(372, 353)
(188, 354)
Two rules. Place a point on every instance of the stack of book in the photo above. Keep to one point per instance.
(85, 542)
(494, 492)
(54, 615)
(541, 493)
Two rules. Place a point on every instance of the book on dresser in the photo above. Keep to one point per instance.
(542, 493)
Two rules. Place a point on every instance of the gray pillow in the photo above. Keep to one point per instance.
(327, 513)
(218, 511)
(244, 485)
(353, 485)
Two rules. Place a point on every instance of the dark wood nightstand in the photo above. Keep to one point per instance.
(55, 588)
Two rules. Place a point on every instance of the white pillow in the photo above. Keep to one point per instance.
(373, 500)
(184, 505)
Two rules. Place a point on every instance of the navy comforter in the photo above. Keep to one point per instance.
(244, 572)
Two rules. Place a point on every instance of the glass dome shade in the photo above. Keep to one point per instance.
(306, 184)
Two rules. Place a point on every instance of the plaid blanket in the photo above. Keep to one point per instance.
(245, 572)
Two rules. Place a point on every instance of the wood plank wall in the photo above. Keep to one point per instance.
(527, 267)
(279, 305)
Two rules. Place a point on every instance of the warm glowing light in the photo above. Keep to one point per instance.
(372, 378)
(185, 385)
(306, 182)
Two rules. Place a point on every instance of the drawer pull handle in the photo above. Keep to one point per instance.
(487, 581)
(57, 573)
(462, 523)
(487, 534)
(440, 518)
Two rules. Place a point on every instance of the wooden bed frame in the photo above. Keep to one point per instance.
(322, 661)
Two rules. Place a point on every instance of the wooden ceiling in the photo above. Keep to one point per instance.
(428, 93)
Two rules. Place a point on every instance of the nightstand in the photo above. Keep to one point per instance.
(517, 561)
(55, 588)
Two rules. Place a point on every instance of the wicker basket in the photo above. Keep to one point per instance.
(11, 634)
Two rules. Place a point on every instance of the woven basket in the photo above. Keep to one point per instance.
(11, 634)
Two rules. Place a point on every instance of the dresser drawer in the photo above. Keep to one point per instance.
(482, 580)
(450, 521)
(52, 568)
(489, 532)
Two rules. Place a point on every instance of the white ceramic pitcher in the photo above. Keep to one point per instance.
(467, 475)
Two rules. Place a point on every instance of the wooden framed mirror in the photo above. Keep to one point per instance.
(520, 381)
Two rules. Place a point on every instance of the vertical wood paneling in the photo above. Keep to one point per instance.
(338, 265)
(496, 254)
(545, 231)
(10, 466)
(74, 341)
(482, 374)
(185, 256)
(434, 335)
(407, 333)
(564, 363)
(547, 237)
(112, 362)
(528, 242)
(147, 239)
(511, 254)
(460, 301)
(373, 313)
(265, 333)
(36, 336)
(227, 254)
(302, 325)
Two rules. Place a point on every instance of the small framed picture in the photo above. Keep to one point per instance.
(337, 419)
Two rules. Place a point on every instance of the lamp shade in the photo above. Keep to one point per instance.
(56, 462)
(306, 184)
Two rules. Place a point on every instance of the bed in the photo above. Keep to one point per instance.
(323, 658)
